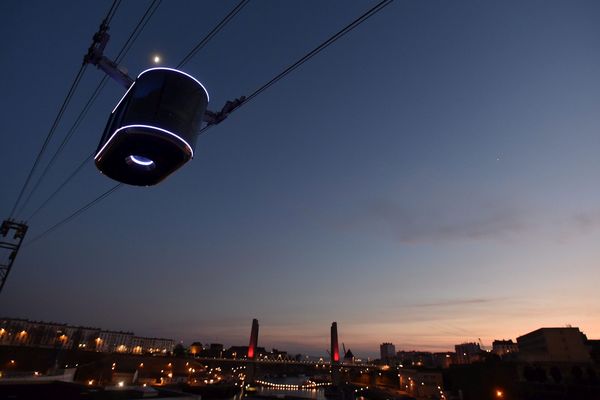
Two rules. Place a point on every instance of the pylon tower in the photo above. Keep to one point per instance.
(9, 246)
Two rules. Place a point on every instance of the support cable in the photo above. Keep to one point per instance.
(369, 13)
(61, 186)
(122, 53)
(191, 54)
(139, 28)
(213, 32)
(109, 15)
(149, 12)
(49, 135)
(64, 142)
(261, 89)
(112, 11)
(75, 214)
(378, 7)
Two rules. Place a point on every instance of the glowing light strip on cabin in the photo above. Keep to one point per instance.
(178, 71)
(143, 126)
(125, 95)
(141, 160)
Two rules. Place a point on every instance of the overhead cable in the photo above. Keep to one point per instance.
(213, 32)
(378, 7)
(369, 13)
(191, 54)
(295, 65)
(109, 15)
(64, 142)
(60, 187)
(49, 135)
(139, 28)
(112, 11)
(75, 214)
(122, 53)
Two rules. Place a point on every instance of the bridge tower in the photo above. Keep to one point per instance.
(335, 355)
(253, 340)
(251, 366)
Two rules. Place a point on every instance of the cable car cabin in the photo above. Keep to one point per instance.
(153, 129)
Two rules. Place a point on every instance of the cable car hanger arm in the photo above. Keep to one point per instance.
(95, 56)
(213, 118)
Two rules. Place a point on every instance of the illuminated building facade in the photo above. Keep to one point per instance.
(23, 332)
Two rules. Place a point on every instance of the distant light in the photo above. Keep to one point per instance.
(156, 59)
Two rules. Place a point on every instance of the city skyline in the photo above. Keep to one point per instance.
(297, 347)
(429, 179)
(50, 334)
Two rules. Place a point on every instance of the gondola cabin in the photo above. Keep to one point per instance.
(153, 129)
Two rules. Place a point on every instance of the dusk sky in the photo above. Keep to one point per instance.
(431, 178)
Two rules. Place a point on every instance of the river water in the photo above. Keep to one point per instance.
(313, 394)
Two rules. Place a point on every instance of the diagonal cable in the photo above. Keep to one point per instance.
(261, 89)
(213, 32)
(368, 14)
(49, 135)
(75, 214)
(61, 186)
(122, 53)
(352, 25)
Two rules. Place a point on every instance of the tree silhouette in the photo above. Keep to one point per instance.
(178, 350)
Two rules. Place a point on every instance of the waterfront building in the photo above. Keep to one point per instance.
(143, 345)
(114, 341)
(23, 332)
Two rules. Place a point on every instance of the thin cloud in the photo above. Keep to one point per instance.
(440, 224)
(586, 222)
(457, 302)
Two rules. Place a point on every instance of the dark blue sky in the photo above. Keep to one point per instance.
(430, 178)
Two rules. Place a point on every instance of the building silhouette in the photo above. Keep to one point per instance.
(567, 344)
(387, 351)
